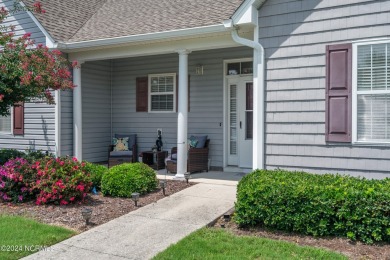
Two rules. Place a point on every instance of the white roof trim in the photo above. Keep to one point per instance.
(144, 37)
(247, 12)
(49, 39)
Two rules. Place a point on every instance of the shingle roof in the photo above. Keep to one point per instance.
(64, 18)
(83, 20)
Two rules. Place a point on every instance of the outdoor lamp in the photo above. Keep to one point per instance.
(187, 176)
(163, 185)
(135, 197)
(199, 69)
(86, 213)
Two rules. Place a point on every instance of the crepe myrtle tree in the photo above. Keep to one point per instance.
(28, 71)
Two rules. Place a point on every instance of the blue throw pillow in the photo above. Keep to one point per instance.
(192, 142)
(201, 140)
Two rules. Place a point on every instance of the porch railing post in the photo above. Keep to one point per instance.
(182, 116)
(77, 113)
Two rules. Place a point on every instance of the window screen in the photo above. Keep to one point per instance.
(373, 93)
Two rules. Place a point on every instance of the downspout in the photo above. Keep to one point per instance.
(111, 72)
(258, 92)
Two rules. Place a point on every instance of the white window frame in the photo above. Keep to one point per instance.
(150, 94)
(12, 123)
(355, 92)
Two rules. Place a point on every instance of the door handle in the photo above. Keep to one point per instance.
(240, 124)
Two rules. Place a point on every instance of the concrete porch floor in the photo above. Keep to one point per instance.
(211, 177)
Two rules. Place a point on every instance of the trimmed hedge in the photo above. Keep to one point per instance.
(30, 155)
(319, 205)
(7, 154)
(124, 179)
(96, 172)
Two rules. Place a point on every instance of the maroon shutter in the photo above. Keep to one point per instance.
(18, 119)
(338, 122)
(142, 94)
(177, 92)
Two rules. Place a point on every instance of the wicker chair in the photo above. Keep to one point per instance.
(198, 159)
(131, 156)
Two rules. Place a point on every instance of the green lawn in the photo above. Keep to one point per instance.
(20, 236)
(219, 244)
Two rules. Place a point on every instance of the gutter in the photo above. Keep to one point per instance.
(143, 37)
(258, 91)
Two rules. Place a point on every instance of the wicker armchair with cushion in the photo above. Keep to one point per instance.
(127, 151)
(198, 158)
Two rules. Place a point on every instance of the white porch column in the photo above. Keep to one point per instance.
(77, 113)
(182, 116)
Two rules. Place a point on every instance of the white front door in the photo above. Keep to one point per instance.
(240, 121)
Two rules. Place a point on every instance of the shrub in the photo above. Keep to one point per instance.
(318, 205)
(16, 181)
(61, 180)
(7, 154)
(124, 179)
(32, 155)
(96, 172)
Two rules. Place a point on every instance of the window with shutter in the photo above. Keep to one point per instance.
(5, 124)
(338, 122)
(18, 122)
(372, 92)
(162, 92)
(142, 94)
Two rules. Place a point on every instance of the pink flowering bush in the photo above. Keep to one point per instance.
(61, 181)
(28, 71)
(16, 181)
(49, 180)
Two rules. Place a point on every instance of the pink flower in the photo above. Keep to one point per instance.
(80, 187)
(38, 8)
(20, 198)
(5, 197)
(64, 202)
(74, 159)
(26, 35)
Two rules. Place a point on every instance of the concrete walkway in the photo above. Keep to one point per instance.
(143, 233)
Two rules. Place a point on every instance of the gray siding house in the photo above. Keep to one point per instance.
(300, 85)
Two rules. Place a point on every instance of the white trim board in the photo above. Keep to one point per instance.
(156, 48)
(355, 92)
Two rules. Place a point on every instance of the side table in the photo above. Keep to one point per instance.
(156, 160)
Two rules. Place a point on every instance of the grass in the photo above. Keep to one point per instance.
(20, 236)
(220, 244)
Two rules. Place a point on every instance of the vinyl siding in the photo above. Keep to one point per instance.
(23, 23)
(95, 83)
(67, 123)
(206, 99)
(294, 34)
(39, 130)
(39, 118)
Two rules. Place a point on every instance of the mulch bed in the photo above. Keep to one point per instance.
(353, 250)
(104, 208)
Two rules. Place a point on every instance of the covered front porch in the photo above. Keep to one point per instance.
(106, 100)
